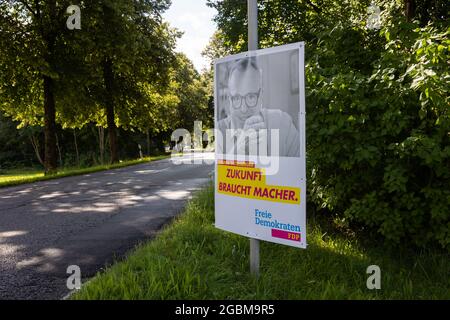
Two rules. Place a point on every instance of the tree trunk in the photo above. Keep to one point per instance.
(76, 147)
(160, 143)
(35, 143)
(101, 144)
(50, 160)
(108, 78)
(148, 143)
(59, 151)
(410, 8)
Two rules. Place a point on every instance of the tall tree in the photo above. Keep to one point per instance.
(128, 45)
(192, 92)
(32, 36)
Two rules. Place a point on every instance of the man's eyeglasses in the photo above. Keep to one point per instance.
(251, 99)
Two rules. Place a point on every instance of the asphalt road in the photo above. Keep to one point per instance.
(88, 220)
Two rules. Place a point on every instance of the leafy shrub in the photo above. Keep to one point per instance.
(378, 133)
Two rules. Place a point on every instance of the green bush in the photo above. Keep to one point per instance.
(379, 130)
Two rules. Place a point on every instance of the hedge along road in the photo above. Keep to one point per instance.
(87, 221)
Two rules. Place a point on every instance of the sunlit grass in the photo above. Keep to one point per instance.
(191, 259)
(16, 177)
(11, 177)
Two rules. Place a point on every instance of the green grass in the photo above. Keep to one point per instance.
(16, 177)
(191, 259)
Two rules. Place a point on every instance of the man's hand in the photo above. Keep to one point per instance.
(250, 133)
(255, 123)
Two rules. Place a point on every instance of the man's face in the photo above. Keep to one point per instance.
(245, 94)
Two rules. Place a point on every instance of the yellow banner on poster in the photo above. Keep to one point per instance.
(249, 182)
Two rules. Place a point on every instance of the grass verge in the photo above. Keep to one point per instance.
(191, 259)
(17, 177)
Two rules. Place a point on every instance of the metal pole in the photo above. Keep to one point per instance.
(252, 7)
(252, 24)
(254, 257)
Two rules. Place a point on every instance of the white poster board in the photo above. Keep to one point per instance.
(260, 169)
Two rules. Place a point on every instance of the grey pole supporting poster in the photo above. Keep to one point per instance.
(253, 45)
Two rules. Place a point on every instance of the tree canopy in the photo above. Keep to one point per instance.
(119, 70)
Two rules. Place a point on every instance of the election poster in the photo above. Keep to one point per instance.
(260, 168)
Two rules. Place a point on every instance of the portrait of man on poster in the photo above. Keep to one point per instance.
(248, 115)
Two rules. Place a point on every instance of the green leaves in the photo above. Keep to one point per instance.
(403, 141)
(395, 178)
